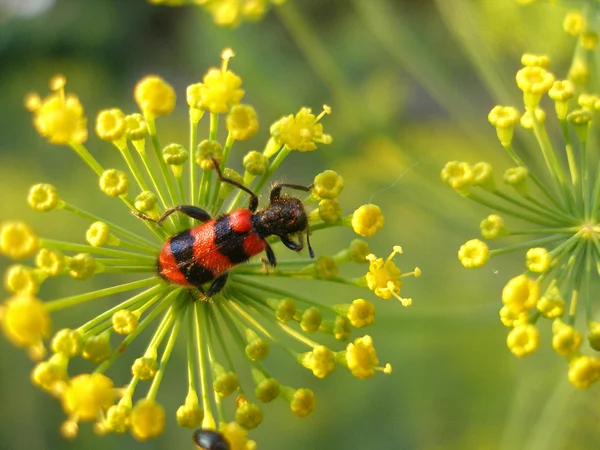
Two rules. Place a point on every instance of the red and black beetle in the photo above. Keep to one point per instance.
(206, 252)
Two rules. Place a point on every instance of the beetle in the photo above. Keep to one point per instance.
(210, 440)
(206, 252)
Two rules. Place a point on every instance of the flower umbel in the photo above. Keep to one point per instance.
(563, 217)
(249, 309)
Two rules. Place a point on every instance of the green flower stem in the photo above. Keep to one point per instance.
(551, 417)
(82, 248)
(129, 390)
(587, 281)
(155, 292)
(512, 212)
(164, 360)
(522, 245)
(299, 274)
(573, 170)
(133, 167)
(226, 151)
(291, 263)
(159, 231)
(201, 321)
(250, 302)
(585, 181)
(87, 158)
(161, 162)
(55, 305)
(251, 320)
(205, 186)
(571, 230)
(541, 186)
(128, 269)
(153, 177)
(214, 126)
(542, 211)
(554, 167)
(547, 208)
(125, 262)
(166, 303)
(192, 161)
(153, 251)
(220, 336)
(596, 194)
(114, 227)
(458, 16)
(273, 166)
(321, 61)
(191, 371)
(221, 418)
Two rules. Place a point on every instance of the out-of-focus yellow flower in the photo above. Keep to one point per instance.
(523, 340)
(521, 293)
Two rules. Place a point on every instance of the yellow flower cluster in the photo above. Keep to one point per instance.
(154, 178)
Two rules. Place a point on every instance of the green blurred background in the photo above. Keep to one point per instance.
(410, 84)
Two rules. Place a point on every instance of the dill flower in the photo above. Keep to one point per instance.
(562, 219)
(228, 13)
(248, 309)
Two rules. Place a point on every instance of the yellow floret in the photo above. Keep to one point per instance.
(110, 124)
(303, 402)
(367, 220)
(361, 313)
(328, 184)
(51, 263)
(301, 131)
(17, 240)
(473, 253)
(320, 360)
(87, 396)
(565, 339)
(44, 198)
(574, 23)
(154, 96)
(583, 371)
(242, 122)
(147, 419)
(538, 259)
(523, 340)
(504, 118)
(521, 293)
(59, 117)
(511, 319)
(236, 437)
(361, 357)
(190, 414)
(20, 279)
(25, 321)
(114, 183)
(383, 277)
(492, 227)
(219, 92)
(458, 175)
(551, 305)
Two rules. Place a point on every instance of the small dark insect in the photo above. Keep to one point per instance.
(206, 252)
(210, 440)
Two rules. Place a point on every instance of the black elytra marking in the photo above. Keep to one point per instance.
(229, 242)
(210, 440)
(182, 248)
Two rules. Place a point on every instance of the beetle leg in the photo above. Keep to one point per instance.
(192, 211)
(270, 256)
(276, 190)
(253, 197)
(217, 285)
(287, 241)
